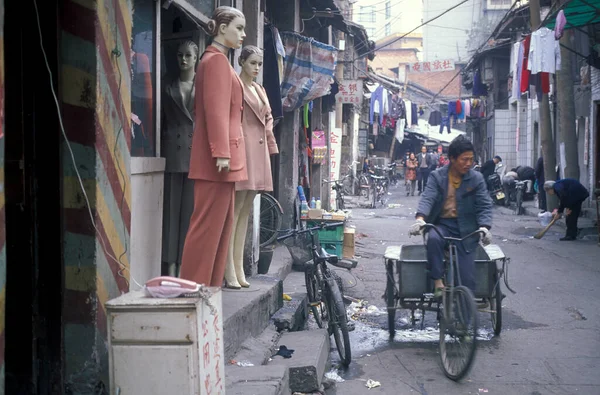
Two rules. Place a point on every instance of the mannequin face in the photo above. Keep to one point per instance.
(233, 34)
(252, 65)
(186, 57)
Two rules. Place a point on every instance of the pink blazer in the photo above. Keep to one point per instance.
(257, 126)
(218, 123)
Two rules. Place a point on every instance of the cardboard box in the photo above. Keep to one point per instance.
(315, 213)
(338, 217)
(349, 237)
(348, 251)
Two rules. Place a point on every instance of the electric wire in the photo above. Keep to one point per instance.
(74, 161)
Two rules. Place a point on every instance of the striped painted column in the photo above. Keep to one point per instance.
(96, 95)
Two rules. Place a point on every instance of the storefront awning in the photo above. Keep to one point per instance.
(432, 133)
(578, 13)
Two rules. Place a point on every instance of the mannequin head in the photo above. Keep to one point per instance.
(251, 60)
(187, 55)
(227, 27)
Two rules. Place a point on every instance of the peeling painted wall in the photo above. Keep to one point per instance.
(95, 88)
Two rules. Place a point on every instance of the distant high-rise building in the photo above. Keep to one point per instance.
(447, 37)
(382, 18)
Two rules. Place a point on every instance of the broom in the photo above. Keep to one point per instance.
(542, 232)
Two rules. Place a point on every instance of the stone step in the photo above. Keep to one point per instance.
(247, 312)
(258, 350)
(257, 380)
(308, 363)
(294, 314)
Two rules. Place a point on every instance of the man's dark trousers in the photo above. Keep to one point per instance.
(571, 220)
(422, 176)
(435, 254)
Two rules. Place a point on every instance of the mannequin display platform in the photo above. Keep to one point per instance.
(257, 126)
(176, 146)
(218, 157)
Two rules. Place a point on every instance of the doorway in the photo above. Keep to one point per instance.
(536, 142)
(34, 272)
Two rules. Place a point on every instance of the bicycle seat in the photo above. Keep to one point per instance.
(334, 260)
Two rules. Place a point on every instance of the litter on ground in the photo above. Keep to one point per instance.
(372, 384)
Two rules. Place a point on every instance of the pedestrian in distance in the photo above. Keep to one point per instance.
(424, 160)
(571, 195)
(539, 176)
(411, 174)
(457, 201)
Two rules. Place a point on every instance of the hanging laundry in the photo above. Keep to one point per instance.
(452, 113)
(467, 106)
(409, 115)
(458, 107)
(478, 88)
(460, 111)
(435, 118)
(520, 68)
(379, 103)
(414, 114)
(559, 27)
(397, 107)
(514, 68)
(544, 52)
(445, 123)
(525, 73)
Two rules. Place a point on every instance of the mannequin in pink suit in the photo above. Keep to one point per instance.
(218, 157)
(257, 126)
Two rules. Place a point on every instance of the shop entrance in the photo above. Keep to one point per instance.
(34, 272)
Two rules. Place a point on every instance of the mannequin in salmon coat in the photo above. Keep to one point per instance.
(218, 157)
(257, 126)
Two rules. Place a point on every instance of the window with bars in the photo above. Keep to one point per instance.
(388, 10)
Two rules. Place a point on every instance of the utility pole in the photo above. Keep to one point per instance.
(566, 108)
(547, 139)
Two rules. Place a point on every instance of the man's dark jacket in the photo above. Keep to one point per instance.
(473, 202)
(570, 192)
(539, 172)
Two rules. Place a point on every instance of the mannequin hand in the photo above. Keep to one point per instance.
(567, 211)
(223, 164)
(416, 228)
(486, 237)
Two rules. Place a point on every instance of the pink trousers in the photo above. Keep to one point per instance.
(207, 241)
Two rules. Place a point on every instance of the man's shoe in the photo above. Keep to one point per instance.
(419, 193)
(567, 238)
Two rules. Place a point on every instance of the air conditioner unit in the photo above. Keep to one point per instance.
(497, 4)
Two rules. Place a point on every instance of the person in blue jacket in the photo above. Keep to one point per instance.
(571, 194)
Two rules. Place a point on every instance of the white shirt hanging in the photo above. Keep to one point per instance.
(544, 52)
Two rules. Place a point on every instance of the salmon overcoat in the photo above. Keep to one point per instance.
(257, 127)
(218, 123)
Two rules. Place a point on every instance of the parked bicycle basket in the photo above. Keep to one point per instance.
(300, 248)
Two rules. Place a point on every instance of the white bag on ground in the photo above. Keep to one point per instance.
(545, 218)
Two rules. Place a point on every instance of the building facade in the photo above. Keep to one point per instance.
(384, 18)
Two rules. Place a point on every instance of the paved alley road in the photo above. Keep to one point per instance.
(550, 343)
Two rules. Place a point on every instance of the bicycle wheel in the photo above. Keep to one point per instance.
(374, 196)
(338, 321)
(496, 308)
(458, 332)
(270, 219)
(390, 297)
(313, 293)
(339, 201)
(519, 202)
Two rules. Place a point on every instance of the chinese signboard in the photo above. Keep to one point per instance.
(351, 92)
(335, 157)
(428, 67)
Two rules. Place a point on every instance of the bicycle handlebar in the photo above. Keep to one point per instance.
(435, 228)
(294, 232)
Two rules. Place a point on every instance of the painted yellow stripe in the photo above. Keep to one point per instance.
(72, 198)
(75, 84)
(127, 16)
(115, 154)
(114, 236)
(80, 278)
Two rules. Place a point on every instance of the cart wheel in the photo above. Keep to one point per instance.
(390, 297)
(496, 308)
(458, 332)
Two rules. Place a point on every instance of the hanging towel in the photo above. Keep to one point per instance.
(525, 73)
(561, 21)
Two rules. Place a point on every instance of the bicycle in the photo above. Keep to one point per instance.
(270, 219)
(378, 190)
(350, 181)
(338, 187)
(519, 194)
(323, 290)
